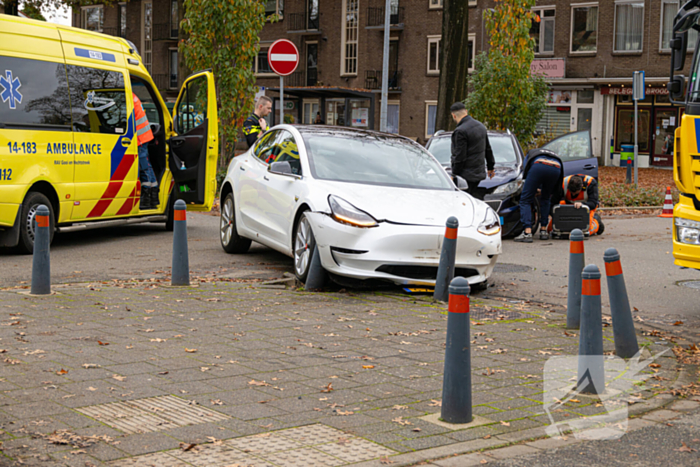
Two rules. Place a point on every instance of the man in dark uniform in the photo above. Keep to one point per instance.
(471, 151)
(255, 125)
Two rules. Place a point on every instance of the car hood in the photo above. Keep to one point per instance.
(502, 175)
(406, 205)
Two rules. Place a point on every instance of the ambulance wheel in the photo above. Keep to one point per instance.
(26, 221)
(231, 242)
(601, 226)
(170, 212)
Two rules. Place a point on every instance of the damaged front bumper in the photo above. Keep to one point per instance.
(403, 254)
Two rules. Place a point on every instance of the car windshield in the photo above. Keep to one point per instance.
(373, 159)
(502, 147)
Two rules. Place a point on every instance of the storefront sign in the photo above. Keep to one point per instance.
(360, 117)
(628, 91)
(549, 68)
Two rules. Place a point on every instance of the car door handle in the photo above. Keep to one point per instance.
(265, 178)
(589, 167)
(177, 142)
(240, 167)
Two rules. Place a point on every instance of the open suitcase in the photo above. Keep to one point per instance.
(565, 218)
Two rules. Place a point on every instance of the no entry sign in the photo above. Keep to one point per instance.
(283, 57)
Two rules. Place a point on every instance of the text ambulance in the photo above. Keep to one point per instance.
(68, 133)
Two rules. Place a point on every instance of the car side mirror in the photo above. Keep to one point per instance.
(461, 183)
(282, 168)
(679, 47)
(676, 87)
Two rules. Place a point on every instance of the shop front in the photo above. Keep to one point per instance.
(658, 119)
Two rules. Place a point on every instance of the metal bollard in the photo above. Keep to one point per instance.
(591, 372)
(316, 276)
(457, 380)
(181, 263)
(577, 261)
(41, 262)
(446, 266)
(623, 326)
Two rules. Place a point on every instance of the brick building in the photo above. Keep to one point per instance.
(587, 50)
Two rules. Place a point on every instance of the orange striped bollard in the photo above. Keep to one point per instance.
(446, 267)
(591, 371)
(41, 261)
(457, 379)
(577, 261)
(623, 326)
(181, 263)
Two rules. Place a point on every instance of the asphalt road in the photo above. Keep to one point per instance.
(535, 271)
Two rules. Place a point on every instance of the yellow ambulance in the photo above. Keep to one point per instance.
(68, 138)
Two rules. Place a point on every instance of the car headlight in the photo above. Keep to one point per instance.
(687, 231)
(346, 213)
(509, 188)
(491, 225)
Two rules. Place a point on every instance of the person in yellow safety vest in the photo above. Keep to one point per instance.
(149, 182)
(579, 190)
(255, 125)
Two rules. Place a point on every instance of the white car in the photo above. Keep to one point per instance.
(374, 204)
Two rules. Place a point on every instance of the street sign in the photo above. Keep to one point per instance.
(638, 86)
(283, 57)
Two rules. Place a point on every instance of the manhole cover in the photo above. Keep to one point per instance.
(154, 414)
(505, 267)
(689, 284)
(306, 446)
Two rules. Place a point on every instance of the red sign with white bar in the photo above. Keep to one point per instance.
(283, 57)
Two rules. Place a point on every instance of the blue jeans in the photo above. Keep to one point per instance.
(146, 173)
(542, 176)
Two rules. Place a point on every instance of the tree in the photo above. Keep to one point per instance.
(33, 8)
(505, 96)
(223, 36)
(454, 61)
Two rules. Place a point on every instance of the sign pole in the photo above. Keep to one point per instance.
(637, 95)
(282, 99)
(385, 69)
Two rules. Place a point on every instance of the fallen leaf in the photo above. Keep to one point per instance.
(484, 461)
(385, 461)
(367, 367)
(158, 339)
(401, 421)
(328, 388)
(505, 423)
(399, 407)
(574, 400)
(434, 403)
(654, 365)
(252, 382)
(102, 343)
(62, 372)
(685, 448)
(416, 429)
(340, 412)
(678, 323)
(163, 372)
(91, 389)
(204, 368)
(216, 402)
(119, 378)
(190, 350)
(187, 446)
(90, 365)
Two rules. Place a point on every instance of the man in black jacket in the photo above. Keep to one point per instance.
(471, 151)
(255, 125)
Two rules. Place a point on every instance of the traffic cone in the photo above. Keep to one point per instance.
(668, 204)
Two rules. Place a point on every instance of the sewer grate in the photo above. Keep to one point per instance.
(153, 414)
(501, 268)
(307, 446)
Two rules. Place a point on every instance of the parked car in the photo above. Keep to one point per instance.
(504, 189)
(374, 204)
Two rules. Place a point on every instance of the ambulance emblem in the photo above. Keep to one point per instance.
(10, 89)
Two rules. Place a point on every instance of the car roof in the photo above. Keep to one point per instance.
(445, 134)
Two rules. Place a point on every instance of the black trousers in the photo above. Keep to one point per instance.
(475, 190)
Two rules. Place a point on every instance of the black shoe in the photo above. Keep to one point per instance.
(155, 201)
(146, 202)
(524, 237)
(544, 235)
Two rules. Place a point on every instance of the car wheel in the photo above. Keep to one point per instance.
(231, 242)
(304, 244)
(26, 227)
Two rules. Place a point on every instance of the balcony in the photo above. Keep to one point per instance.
(299, 23)
(163, 32)
(375, 18)
(373, 80)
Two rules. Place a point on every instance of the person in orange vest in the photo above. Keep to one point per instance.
(579, 190)
(149, 182)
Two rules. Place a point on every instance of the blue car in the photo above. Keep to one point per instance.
(503, 190)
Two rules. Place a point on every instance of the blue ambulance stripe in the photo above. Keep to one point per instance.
(697, 135)
(95, 55)
(119, 150)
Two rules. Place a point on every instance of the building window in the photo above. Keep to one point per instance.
(669, 8)
(471, 3)
(433, 55)
(274, 7)
(542, 30)
(471, 48)
(172, 81)
(351, 11)
(122, 20)
(430, 114)
(434, 4)
(629, 26)
(93, 18)
(174, 20)
(147, 34)
(262, 66)
(392, 117)
(584, 28)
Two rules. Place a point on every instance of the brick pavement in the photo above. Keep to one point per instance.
(238, 362)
